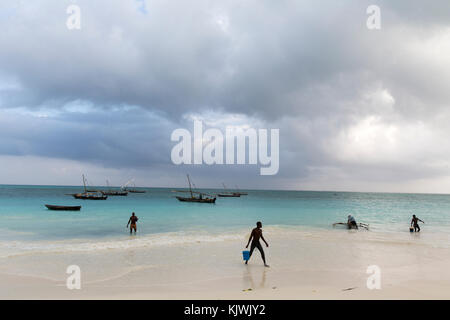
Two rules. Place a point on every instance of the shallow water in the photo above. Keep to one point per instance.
(26, 225)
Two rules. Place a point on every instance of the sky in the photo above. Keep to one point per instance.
(357, 109)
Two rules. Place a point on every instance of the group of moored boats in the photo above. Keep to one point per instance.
(202, 197)
(92, 194)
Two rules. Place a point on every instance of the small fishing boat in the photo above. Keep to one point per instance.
(115, 193)
(360, 225)
(111, 192)
(63, 208)
(89, 195)
(199, 199)
(136, 191)
(133, 190)
(227, 194)
(194, 199)
(241, 193)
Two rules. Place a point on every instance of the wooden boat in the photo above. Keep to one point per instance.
(111, 192)
(63, 208)
(194, 199)
(115, 193)
(89, 195)
(241, 193)
(227, 194)
(136, 191)
(199, 199)
(360, 225)
(133, 190)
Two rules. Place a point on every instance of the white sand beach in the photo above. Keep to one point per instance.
(304, 264)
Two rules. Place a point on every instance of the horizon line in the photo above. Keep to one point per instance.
(262, 189)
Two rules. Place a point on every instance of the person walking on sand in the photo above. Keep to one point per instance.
(415, 222)
(254, 238)
(132, 223)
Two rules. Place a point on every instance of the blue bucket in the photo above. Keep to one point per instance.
(246, 255)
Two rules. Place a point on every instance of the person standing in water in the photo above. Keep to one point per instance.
(254, 238)
(132, 223)
(415, 222)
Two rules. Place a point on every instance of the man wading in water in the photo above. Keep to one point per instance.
(415, 222)
(133, 219)
(256, 235)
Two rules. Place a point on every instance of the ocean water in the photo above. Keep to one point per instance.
(26, 223)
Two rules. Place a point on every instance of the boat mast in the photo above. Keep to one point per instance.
(84, 184)
(190, 188)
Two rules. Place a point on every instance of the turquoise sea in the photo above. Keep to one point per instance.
(23, 216)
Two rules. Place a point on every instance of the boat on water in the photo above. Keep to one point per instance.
(115, 193)
(241, 193)
(195, 199)
(133, 190)
(63, 208)
(360, 225)
(201, 198)
(89, 195)
(136, 191)
(227, 194)
(112, 192)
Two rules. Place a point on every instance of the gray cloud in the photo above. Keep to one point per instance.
(353, 105)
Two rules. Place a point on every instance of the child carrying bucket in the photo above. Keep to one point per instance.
(254, 238)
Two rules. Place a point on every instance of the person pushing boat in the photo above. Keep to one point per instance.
(132, 223)
(351, 222)
(254, 238)
(415, 223)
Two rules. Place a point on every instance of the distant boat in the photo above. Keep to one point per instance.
(227, 194)
(111, 192)
(133, 190)
(241, 193)
(136, 191)
(89, 195)
(199, 198)
(115, 193)
(63, 208)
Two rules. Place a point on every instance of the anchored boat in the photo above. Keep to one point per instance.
(227, 194)
(200, 198)
(132, 190)
(63, 208)
(89, 195)
(111, 192)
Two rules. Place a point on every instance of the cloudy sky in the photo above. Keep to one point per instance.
(357, 109)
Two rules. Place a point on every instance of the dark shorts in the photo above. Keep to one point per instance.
(257, 245)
